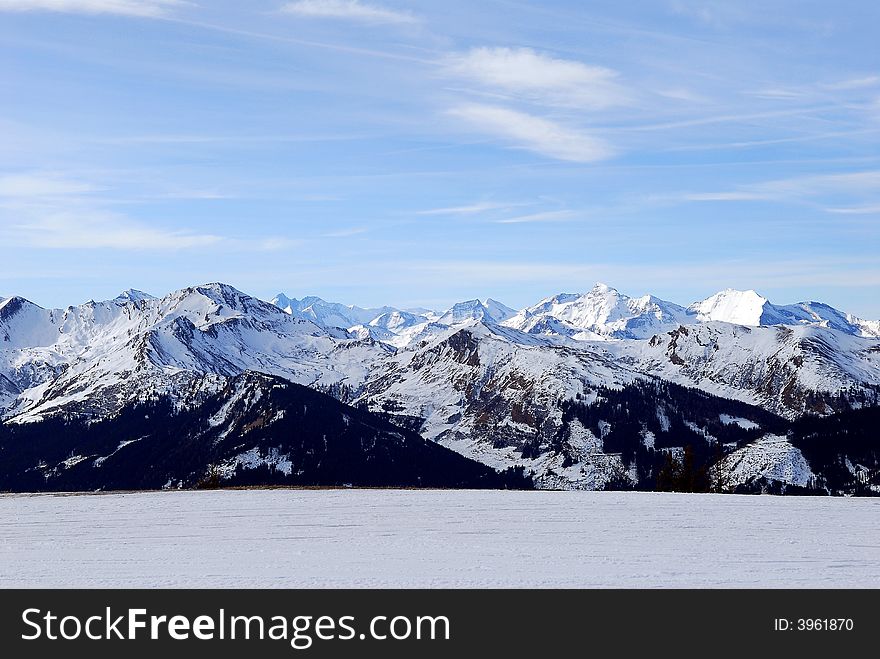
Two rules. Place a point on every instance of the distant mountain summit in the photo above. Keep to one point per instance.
(489, 310)
(132, 295)
(750, 308)
(602, 312)
(330, 314)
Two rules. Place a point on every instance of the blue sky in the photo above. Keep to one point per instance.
(420, 153)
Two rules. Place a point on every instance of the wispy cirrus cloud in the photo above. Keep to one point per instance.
(138, 8)
(866, 183)
(349, 10)
(271, 244)
(710, 12)
(863, 82)
(345, 233)
(497, 209)
(55, 211)
(731, 195)
(539, 77)
(536, 134)
(546, 216)
(23, 186)
(100, 230)
(469, 209)
(850, 91)
(856, 210)
(84, 228)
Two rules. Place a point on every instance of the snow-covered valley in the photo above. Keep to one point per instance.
(410, 539)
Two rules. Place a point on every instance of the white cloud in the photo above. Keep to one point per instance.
(351, 10)
(46, 211)
(142, 8)
(728, 118)
(717, 14)
(547, 216)
(271, 244)
(802, 187)
(535, 134)
(854, 83)
(539, 77)
(856, 210)
(470, 209)
(101, 230)
(779, 94)
(345, 233)
(682, 94)
(728, 196)
(20, 186)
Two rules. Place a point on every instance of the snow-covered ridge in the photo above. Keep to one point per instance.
(99, 356)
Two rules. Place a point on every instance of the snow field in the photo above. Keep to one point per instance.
(387, 538)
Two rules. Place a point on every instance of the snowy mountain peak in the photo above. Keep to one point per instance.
(311, 300)
(330, 315)
(286, 304)
(23, 324)
(647, 301)
(600, 312)
(499, 311)
(215, 293)
(752, 309)
(395, 321)
(221, 289)
(7, 301)
(490, 311)
(732, 306)
(559, 298)
(132, 295)
(464, 311)
(13, 305)
(227, 294)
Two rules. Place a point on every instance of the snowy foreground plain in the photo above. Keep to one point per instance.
(385, 538)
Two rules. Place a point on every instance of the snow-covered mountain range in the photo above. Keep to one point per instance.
(502, 386)
(602, 313)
